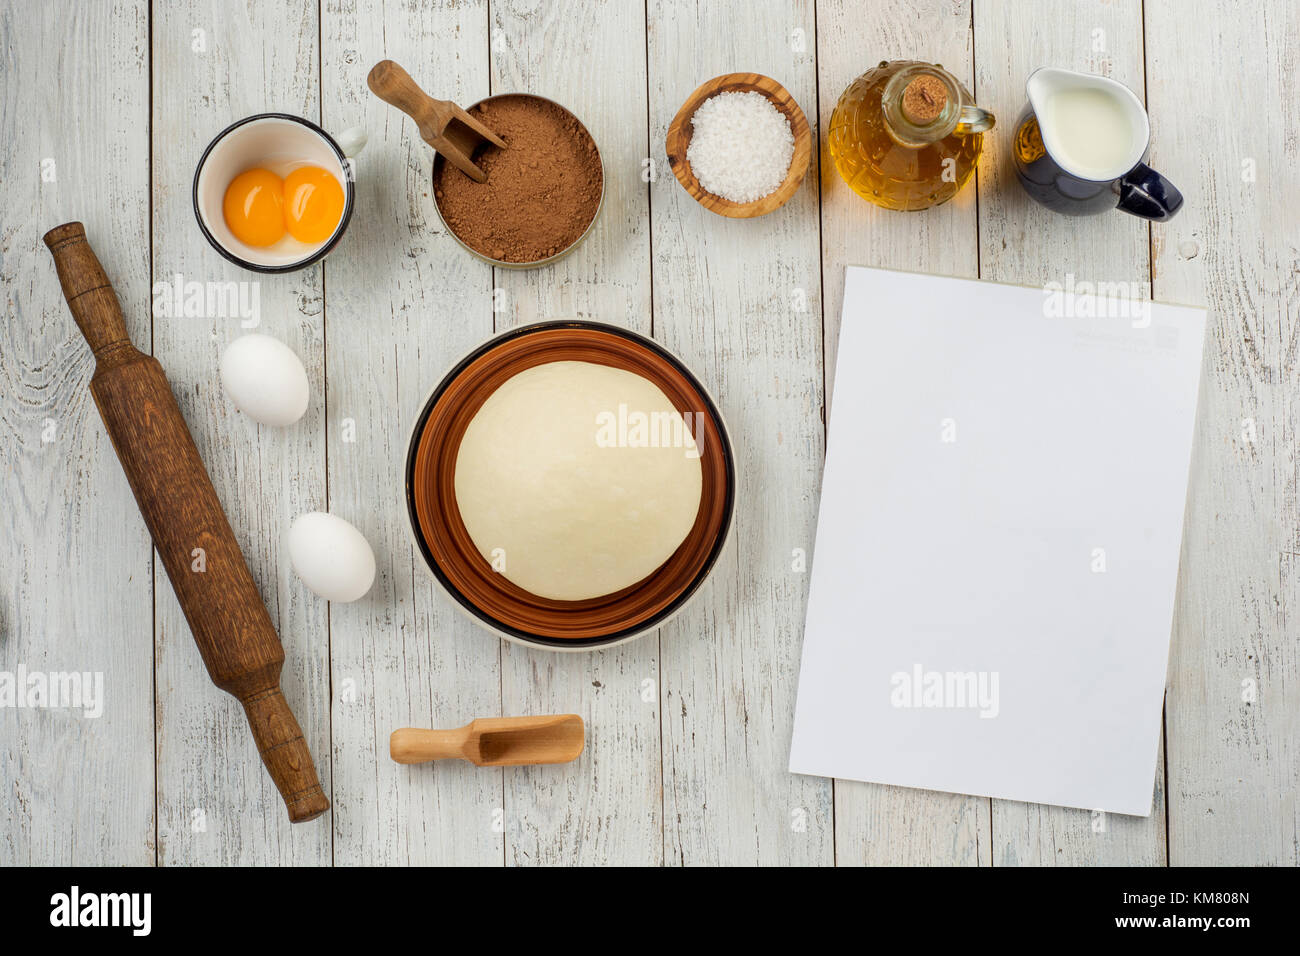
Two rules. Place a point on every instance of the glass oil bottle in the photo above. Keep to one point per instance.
(906, 135)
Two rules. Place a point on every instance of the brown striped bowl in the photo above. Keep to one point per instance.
(468, 578)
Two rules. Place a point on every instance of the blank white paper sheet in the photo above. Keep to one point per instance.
(997, 547)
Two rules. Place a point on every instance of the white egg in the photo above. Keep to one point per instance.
(331, 556)
(265, 379)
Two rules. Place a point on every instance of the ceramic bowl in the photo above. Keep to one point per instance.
(468, 578)
(271, 140)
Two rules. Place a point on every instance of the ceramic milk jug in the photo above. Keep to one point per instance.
(1079, 148)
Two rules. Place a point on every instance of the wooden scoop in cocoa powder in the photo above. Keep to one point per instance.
(443, 125)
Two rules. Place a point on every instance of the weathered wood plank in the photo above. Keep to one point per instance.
(403, 302)
(1234, 772)
(214, 63)
(608, 807)
(876, 824)
(75, 557)
(740, 302)
(1023, 243)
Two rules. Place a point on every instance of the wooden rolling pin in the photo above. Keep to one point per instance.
(221, 603)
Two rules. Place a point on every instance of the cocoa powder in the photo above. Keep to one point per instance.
(542, 190)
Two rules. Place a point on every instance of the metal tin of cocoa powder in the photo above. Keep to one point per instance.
(438, 162)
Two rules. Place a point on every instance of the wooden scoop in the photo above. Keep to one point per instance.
(443, 125)
(494, 741)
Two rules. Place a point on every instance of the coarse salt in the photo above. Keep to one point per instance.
(741, 146)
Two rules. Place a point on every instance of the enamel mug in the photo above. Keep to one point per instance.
(1079, 148)
(274, 141)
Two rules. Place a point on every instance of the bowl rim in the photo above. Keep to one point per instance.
(680, 130)
(538, 263)
(526, 638)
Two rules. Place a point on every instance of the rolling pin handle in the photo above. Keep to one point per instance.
(90, 295)
(288, 761)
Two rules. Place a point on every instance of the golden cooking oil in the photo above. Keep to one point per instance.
(906, 135)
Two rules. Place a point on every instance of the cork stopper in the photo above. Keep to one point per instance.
(924, 99)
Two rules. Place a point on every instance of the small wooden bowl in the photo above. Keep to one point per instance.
(441, 537)
(679, 140)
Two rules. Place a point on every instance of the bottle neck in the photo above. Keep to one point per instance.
(921, 105)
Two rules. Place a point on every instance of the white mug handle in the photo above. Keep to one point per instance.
(352, 141)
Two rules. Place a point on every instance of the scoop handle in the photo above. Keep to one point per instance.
(90, 295)
(416, 745)
(392, 84)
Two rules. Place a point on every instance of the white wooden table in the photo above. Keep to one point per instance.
(106, 108)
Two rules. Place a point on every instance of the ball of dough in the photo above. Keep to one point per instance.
(576, 480)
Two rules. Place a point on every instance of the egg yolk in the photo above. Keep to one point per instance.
(313, 204)
(254, 207)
